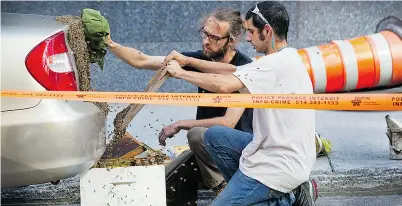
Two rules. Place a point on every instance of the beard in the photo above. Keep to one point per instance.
(218, 55)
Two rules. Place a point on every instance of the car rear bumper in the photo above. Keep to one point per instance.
(52, 141)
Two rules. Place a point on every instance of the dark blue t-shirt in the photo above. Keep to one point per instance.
(246, 121)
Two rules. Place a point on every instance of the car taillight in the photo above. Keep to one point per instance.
(50, 65)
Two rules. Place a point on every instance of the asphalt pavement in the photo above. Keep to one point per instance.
(384, 200)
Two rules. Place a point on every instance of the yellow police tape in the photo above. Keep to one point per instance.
(345, 101)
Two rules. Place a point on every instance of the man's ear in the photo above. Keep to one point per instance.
(268, 29)
(233, 42)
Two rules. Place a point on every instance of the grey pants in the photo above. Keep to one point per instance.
(209, 171)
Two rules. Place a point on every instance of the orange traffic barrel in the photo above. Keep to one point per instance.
(359, 63)
(366, 62)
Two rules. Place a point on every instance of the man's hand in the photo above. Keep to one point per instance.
(168, 132)
(180, 58)
(174, 69)
(109, 41)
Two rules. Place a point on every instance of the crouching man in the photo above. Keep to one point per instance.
(271, 166)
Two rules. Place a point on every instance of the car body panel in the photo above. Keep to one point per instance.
(63, 140)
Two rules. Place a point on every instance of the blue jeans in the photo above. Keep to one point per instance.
(225, 146)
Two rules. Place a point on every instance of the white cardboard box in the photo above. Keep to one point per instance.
(134, 186)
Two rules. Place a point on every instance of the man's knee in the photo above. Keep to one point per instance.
(212, 134)
(195, 136)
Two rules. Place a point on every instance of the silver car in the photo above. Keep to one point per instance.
(43, 140)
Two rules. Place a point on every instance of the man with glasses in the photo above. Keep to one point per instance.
(271, 166)
(220, 31)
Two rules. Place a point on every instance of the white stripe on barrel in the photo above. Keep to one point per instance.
(384, 54)
(318, 66)
(350, 63)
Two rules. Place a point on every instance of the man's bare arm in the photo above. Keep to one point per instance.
(218, 83)
(135, 57)
(211, 67)
(202, 65)
(230, 119)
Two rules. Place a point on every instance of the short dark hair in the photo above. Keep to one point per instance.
(276, 15)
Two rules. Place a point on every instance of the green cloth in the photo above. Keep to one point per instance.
(96, 28)
(323, 146)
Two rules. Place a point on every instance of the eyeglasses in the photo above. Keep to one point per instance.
(211, 37)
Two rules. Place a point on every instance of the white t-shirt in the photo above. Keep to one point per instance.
(282, 152)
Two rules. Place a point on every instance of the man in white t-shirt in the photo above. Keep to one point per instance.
(271, 166)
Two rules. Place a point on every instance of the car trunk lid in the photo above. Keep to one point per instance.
(36, 57)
